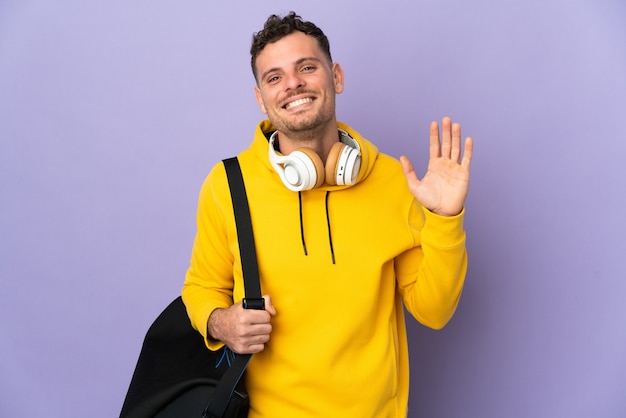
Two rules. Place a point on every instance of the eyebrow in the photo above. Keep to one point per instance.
(298, 62)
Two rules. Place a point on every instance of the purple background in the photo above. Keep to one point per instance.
(112, 113)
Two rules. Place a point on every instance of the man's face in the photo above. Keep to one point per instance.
(297, 84)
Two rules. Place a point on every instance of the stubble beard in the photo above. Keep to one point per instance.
(305, 128)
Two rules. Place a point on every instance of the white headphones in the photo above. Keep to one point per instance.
(303, 168)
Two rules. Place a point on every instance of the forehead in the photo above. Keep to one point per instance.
(287, 51)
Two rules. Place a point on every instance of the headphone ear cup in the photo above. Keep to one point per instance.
(317, 177)
(302, 169)
(343, 165)
(332, 162)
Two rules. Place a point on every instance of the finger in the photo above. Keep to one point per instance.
(258, 342)
(249, 347)
(455, 153)
(255, 317)
(259, 329)
(254, 348)
(407, 165)
(435, 147)
(446, 137)
(257, 337)
(409, 172)
(467, 152)
(269, 307)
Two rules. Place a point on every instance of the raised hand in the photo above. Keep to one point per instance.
(444, 187)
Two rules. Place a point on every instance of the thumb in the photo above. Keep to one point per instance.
(407, 165)
(409, 170)
(268, 305)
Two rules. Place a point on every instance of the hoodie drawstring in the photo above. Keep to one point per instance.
(302, 224)
(330, 235)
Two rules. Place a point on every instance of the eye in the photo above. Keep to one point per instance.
(273, 79)
(308, 68)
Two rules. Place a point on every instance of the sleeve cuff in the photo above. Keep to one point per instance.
(443, 231)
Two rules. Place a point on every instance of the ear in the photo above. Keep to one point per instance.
(338, 78)
(259, 99)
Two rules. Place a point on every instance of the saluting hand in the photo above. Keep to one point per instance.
(444, 187)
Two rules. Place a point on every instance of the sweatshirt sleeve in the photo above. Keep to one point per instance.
(209, 280)
(431, 275)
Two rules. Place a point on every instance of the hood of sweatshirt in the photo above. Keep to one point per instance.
(369, 151)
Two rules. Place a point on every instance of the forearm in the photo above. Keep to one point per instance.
(201, 302)
(432, 276)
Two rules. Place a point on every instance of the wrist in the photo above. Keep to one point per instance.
(212, 325)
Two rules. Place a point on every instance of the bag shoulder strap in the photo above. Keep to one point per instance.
(245, 234)
(223, 391)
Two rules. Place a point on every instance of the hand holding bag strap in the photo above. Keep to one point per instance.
(252, 286)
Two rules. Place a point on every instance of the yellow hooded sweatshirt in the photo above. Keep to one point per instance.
(338, 262)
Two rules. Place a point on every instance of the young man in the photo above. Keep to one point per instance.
(345, 236)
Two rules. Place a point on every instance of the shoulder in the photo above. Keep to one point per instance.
(215, 185)
(388, 167)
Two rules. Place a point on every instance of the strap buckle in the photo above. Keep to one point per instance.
(254, 303)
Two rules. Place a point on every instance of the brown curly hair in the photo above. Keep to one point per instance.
(277, 27)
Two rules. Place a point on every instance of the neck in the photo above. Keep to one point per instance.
(319, 140)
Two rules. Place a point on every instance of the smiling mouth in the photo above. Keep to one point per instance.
(298, 102)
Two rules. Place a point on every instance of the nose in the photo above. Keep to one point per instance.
(293, 81)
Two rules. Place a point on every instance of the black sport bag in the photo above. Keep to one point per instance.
(176, 376)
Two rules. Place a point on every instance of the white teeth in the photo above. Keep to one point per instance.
(298, 102)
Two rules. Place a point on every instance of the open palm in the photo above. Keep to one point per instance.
(444, 187)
